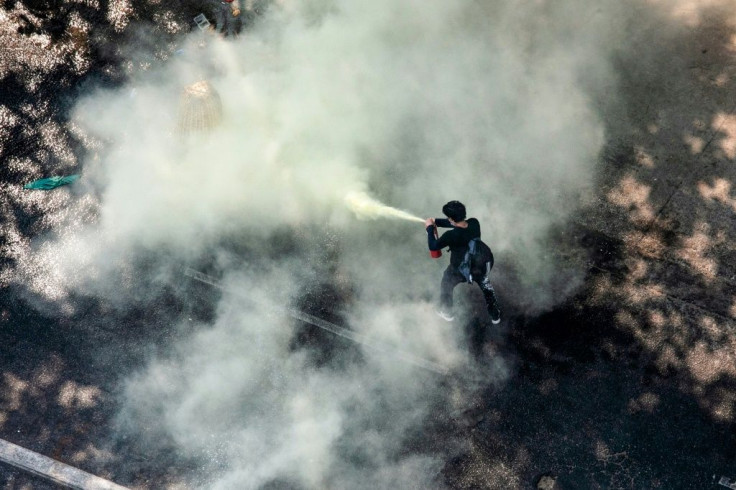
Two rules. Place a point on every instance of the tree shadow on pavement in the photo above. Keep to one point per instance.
(631, 383)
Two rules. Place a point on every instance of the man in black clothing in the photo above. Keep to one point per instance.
(457, 239)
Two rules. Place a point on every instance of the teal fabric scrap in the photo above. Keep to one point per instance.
(51, 182)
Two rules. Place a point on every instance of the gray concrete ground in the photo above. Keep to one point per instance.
(629, 384)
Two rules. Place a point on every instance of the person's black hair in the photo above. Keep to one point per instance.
(455, 210)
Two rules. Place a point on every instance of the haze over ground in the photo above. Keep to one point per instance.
(551, 121)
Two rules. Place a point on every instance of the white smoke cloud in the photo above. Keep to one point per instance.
(238, 388)
(415, 102)
(418, 103)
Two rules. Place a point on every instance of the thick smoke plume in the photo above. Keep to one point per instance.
(415, 103)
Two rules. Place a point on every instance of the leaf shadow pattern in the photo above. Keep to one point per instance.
(631, 383)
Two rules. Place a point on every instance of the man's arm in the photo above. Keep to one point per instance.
(433, 242)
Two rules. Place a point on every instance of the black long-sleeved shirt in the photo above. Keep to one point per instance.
(457, 238)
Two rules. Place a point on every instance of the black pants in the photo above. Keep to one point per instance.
(225, 21)
(452, 278)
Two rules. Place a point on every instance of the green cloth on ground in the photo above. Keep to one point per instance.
(51, 182)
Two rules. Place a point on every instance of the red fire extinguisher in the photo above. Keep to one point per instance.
(435, 254)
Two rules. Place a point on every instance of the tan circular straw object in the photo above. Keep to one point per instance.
(200, 108)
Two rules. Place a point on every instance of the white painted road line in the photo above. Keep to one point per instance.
(52, 470)
(334, 329)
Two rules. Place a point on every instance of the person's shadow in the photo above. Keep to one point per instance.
(478, 332)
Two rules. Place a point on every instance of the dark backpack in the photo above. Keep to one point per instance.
(476, 259)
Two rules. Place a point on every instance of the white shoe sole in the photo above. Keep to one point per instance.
(444, 317)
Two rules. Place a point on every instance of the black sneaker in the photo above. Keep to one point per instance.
(495, 313)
